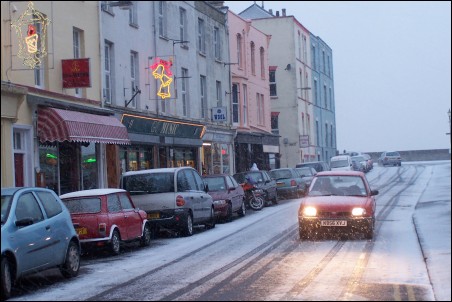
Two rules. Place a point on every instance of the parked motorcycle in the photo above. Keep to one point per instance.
(254, 197)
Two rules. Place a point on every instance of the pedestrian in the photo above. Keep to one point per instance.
(254, 167)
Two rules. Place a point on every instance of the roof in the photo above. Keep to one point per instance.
(92, 192)
(255, 12)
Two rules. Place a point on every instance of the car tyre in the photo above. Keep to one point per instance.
(228, 217)
(275, 200)
(242, 211)
(187, 229)
(212, 221)
(7, 281)
(71, 263)
(146, 236)
(115, 243)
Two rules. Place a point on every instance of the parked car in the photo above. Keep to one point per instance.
(306, 174)
(338, 202)
(319, 166)
(107, 218)
(37, 234)
(341, 162)
(370, 163)
(359, 163)
(228, 196)
(289, 183)
(390, 158)
(173, 198)
(262, 180)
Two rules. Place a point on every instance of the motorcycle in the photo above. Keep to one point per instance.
(254, 198)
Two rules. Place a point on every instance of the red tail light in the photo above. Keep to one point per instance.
(180, 201)
(293, 183)
(103, 229)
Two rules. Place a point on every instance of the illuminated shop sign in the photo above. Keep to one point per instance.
(161, 70)
(31, 31)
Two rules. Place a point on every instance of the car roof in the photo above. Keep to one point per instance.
(13, 190)
(340, 173)
(340, 157)
(216, 175)
(92, 192)
(158, 170)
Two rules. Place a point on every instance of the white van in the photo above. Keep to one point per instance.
(341, 162)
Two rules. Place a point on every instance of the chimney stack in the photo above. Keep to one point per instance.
(284, 12)
(270, 11)
(277, 13)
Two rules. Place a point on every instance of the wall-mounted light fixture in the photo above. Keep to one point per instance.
(288, 67)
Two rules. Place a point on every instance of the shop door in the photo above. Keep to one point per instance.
(19, 169)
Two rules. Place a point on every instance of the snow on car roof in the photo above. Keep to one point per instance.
(91, 192)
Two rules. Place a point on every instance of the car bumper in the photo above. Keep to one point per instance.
(221, 210)
(309, 224)
(287, 191)
(168, 218)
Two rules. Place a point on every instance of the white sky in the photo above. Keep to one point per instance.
(431, 194)
(392, 69)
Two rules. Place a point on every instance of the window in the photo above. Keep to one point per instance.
(133, 14)
(203, 93)
(317, 133)
(245, 105)
(315, 92)
(262, 56)
(51, 205)
(260, 108)
(28, 207)
(328, 62)
(299, 45)
(184, 92)
(331, 135)
(76, 42)
(182, 25)
(201, 36)
(125, 201)
(305, 50)
(235, 103)
(219, 94)
(217, 43)
(325, 97)
(323, 59)
(313, 57)
(274, 122)
(113, 204)
(272, 78)
(134, 86)
(239, 51)
(331, 98)
(107, 91)
(253, 59)
(326, 135)
(162, 18)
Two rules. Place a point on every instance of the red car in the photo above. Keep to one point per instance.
(105, 218)
(227, 194)
(338, 202)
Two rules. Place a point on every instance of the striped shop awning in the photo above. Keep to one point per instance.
(73, 126)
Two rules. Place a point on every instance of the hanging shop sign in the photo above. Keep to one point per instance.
(76, 73)
(219, 114)
(304, 141)
(161, 69)
(31, 31)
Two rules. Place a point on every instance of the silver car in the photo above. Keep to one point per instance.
(173, 198)
(392, 158)
(37, 234)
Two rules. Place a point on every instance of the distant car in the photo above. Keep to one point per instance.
(37, 234)
(338, 202)
(289, 183)
(228, 196)
(262, 180)
(319, 166)
(341, 163)
(392, 158)
(370, 163)
(107, 218)
(173, 198)
(307, 174)
(359, 163)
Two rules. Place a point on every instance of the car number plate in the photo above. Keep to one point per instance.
(82, 231)
(333, 223)
(153, 215)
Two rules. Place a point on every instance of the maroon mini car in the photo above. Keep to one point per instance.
(227, 195)
(105, 218)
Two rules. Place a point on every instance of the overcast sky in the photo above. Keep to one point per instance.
(392, 69)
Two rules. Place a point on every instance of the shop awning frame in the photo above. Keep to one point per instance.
(73, 126)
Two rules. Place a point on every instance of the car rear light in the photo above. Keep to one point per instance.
(103, 229)
(180, 201)
(293, 183)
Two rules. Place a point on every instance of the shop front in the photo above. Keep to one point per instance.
(259, 148)
(77, 150)
(160, 143)
(217, 152)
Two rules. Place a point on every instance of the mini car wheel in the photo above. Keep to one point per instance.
(242, 211)
(7, 282)
(187, 229)
(228, 217)
(211, 223)
(115, 245)
(146, 236)
(71, 264)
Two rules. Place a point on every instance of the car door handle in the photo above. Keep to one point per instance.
(47, 227)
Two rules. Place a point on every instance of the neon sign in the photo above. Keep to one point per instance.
(161, 70)
(32, 47)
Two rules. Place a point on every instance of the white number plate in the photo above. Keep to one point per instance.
(333, 223)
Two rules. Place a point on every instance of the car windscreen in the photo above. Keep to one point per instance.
(149, 183)
(215, 183)
(280, 174)
(304, 171)
(83, 205)
(254, 177)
